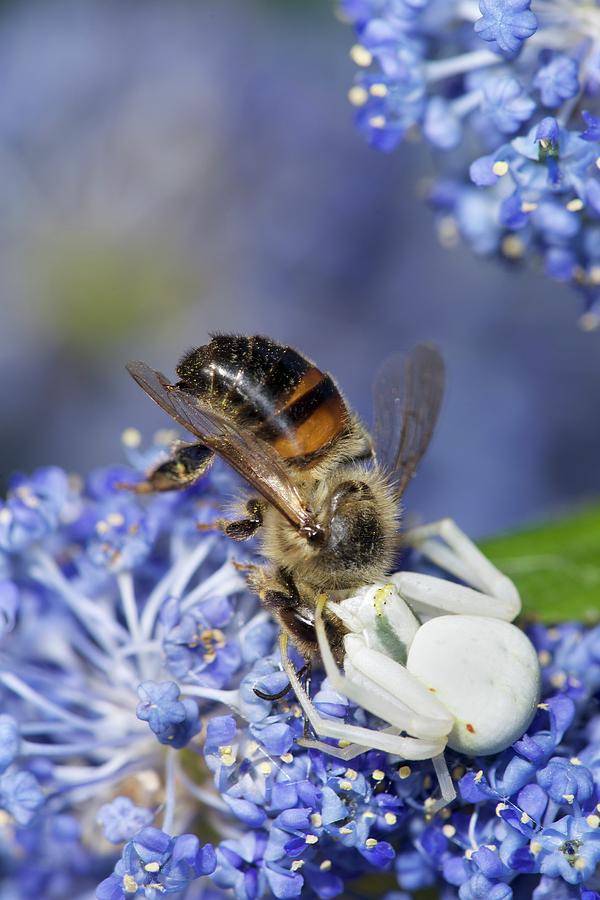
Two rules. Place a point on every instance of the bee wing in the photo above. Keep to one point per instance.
(408, 393)
(252, 458)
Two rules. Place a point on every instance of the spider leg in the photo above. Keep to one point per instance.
(459, 556)
(367, 738)
(495, 595)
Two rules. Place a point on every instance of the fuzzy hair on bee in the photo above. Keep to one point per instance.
(325, 500)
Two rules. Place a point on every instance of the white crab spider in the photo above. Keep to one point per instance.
(438, 661)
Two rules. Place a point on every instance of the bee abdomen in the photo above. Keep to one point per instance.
(271, 389)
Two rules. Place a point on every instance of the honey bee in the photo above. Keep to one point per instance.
(327, 503)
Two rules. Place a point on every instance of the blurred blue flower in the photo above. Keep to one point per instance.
(464, 80)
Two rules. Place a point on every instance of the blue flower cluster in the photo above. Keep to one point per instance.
(136, 759)
(507, 89)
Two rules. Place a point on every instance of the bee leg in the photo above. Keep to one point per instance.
(244, 567)
(181, 470)
(238, 529)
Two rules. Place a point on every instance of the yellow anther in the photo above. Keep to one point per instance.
(265, 768)
(377, 121)
(447, 231)
(478, 776)
(469, 853)
(227, 755)
(316, 820)
(131, 438)
(325, 865)
(598, 162)
(404, 771)
(575, 761)
(593, 820)
(390, 818)
(558, 679)
(115, 519)
(152, 867)
(346, 785)
(378, 89)
(297, 864)
(287, 758)
(311, 839)
(500, 168)
(569, 797)
(352, 774)
(378, 775)
(360, 55)
(527, 206)
(358, 95)
(535, 847)
(458, 772)
(579, 863)
(512, 246)
(130, 885)
(500, 807)
(449, 831)
(370, 843)
(525, 818)
(544, 657)
(575, 205)
(345, 830)
(343, 744)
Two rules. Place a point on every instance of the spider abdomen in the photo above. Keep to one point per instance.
(485, 672)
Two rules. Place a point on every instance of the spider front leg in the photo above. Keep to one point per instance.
(495, 595)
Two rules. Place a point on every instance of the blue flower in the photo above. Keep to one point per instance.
(558, 81)
(569, 849)
(566, 780)
(506, 24)
(506, 103)
(592, 131)
(153, 864)
(173, 721)
(121, 819)
(20, 795)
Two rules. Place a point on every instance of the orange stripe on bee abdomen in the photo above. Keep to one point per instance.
(309, 380)
(315, 415)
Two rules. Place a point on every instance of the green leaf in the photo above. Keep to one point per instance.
(556, 566)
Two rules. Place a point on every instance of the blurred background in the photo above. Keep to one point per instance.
(169, 168)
